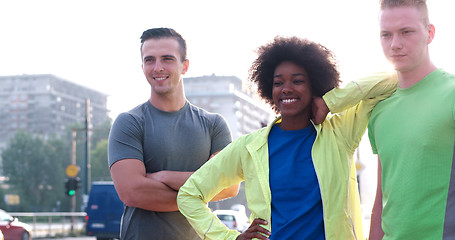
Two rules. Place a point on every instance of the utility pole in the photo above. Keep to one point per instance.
(87, 166)
(71, 172)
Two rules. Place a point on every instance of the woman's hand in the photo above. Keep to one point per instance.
(255, 231)
(319, 110)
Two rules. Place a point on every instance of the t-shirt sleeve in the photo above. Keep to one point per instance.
(221, 135)
(125, 139)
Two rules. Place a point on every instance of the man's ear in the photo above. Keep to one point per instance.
(186, 65)
(431, 33)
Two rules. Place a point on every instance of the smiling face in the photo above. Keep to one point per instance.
(292, 95)
(162, 65)
(405, 38)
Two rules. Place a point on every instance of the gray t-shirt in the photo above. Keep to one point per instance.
(176, 141)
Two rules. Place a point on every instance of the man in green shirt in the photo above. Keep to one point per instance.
(413, 133)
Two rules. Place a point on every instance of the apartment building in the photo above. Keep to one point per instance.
(228, 96)
(46, 104)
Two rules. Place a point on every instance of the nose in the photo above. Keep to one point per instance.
(159, 67)
(396, 43)
(287, 88)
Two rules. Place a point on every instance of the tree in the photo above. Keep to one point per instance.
(100, 133)
(35, 169)
(100, 167)
(98, 154)
(99, 170)
(60, 154)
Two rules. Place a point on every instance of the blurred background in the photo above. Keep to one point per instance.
(68, 68)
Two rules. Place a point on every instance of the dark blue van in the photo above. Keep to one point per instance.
(104, 211)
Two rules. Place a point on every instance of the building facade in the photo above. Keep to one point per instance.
(46, 105)
(227, 96)
(244, 114)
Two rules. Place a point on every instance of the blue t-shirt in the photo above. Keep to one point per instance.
(296, 198)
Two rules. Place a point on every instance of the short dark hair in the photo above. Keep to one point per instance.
(158, 33)
(421, 5)
(318, 61)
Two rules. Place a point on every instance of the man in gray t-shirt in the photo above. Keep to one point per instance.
(155, 147)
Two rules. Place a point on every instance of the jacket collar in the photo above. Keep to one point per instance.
(262, 134)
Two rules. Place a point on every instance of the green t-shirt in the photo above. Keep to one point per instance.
(413, 132)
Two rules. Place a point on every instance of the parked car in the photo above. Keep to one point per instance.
(233, 219)
(13, 229)
(104, 211)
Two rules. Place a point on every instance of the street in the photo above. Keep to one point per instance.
(69, 238)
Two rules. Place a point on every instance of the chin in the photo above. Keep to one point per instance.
(401, 69)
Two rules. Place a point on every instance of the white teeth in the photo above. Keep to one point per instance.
(289, 100)
(160, 79)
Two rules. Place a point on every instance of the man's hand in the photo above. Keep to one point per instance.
(319, 110)
(172, 179)
(157, 176)
(255, 231)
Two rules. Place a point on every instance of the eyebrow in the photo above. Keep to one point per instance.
(407, 28)
(294, 75)
(167, 56)
(401, 29)
(163, 56)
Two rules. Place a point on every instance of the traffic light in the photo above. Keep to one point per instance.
(71, 186)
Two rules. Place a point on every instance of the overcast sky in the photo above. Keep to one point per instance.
(96, 43)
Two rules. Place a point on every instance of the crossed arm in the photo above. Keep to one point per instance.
(175, 180)
(153, 191)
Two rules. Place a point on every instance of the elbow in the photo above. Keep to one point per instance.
(186, 200)
(127, 201)
(128, 198)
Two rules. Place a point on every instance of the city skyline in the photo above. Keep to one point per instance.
(96, 44)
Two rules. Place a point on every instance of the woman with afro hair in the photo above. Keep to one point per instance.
(299, 173)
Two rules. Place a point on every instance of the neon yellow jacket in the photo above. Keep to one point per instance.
(246, 159)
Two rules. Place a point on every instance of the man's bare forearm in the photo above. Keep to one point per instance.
(135, 189)
(172, 179)
(152, 196)
(175, 180)
(229, 192)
